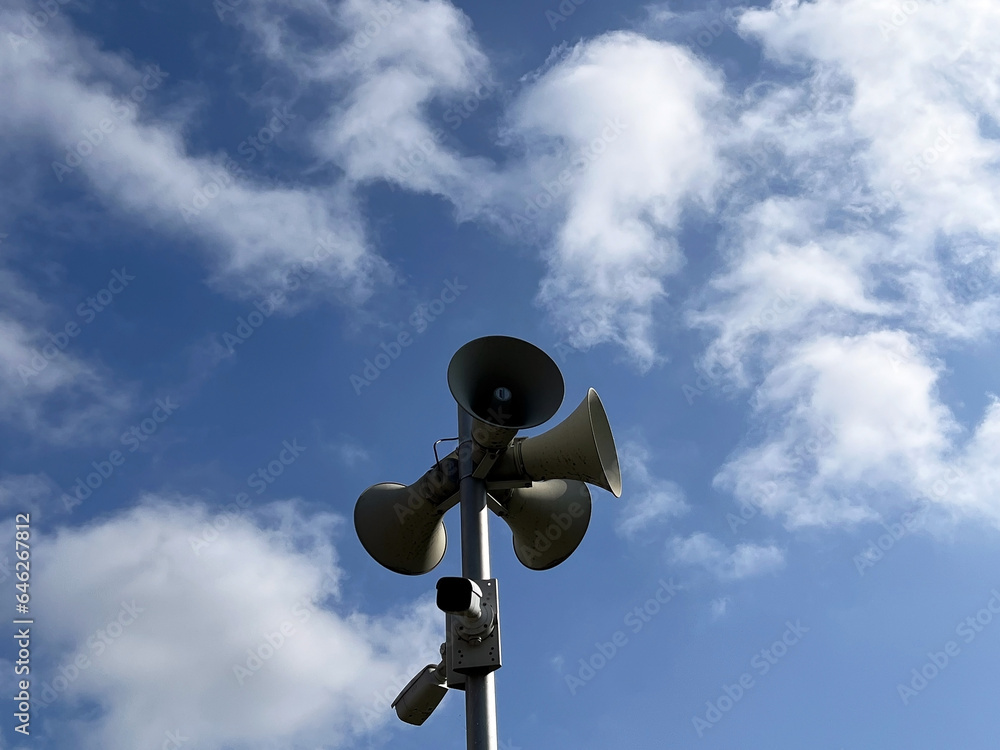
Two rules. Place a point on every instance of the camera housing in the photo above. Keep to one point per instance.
(421, 695)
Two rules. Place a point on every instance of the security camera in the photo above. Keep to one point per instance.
(421, 695)
(459, 596)
(464, 598)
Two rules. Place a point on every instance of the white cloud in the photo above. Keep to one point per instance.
(903, 150)
(890, 213)
(720, 607)
(858, 433)
(649, 501)
(836, 297)
(971, 484)
(788, 280)
(424, 52)
(617, 140)
(47, 390)
(172, 668)
(705, 551)
(59, 88)
(385, 64)
(350, 453)
(88, 405)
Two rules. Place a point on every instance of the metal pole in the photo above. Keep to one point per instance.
(480, 690)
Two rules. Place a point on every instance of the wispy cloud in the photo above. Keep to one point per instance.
(60, 89)
(350, 452)
(720, 607)
(744, 561)
(48, 390)
(650, 500)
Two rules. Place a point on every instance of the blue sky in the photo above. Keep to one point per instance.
(766, 234)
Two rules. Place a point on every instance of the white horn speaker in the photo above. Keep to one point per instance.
(401, 530)
(548, 520)
(580, 447)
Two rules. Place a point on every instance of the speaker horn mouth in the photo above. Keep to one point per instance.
(581, 447)
(405, 537)
(605, 442)
(506, 382)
